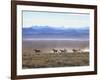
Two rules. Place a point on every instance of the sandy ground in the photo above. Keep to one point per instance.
(47, 58)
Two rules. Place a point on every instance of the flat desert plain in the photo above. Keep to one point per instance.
(46, 57)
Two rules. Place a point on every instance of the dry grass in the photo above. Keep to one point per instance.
(42, 60)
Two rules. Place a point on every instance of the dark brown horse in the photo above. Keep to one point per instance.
(37, 50)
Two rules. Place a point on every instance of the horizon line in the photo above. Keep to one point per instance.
(30, 39)
(56, 27)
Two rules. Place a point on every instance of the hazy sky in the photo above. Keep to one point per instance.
(66, 20)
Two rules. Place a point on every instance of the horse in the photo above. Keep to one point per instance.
(76, 50)
(55, 50)
(63, 50)
(37, 50)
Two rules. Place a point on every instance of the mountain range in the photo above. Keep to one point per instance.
(52, 32)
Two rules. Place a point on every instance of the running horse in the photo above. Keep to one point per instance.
(55, 50)
(63, 50)
(76, 50)
(37, 50)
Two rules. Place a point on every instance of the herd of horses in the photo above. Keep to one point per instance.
(60, 50)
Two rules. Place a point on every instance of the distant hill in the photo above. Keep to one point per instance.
(50, 32)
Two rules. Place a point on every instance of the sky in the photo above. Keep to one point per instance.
(55, 19)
